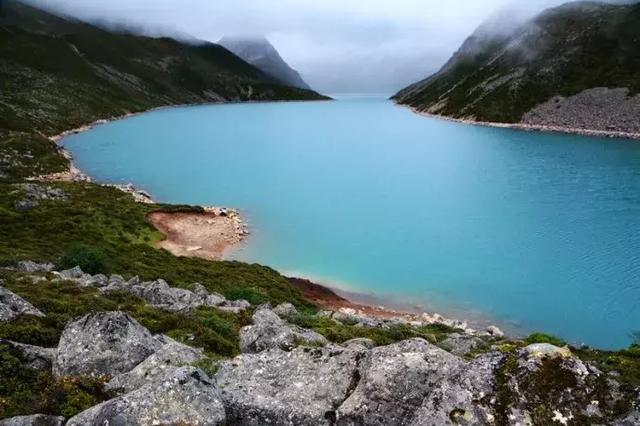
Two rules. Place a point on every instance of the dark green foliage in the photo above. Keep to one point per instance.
(563, 51)
(545, 338)
(25, 391)
(90, 260)
(28, 154)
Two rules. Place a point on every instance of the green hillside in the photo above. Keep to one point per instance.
(562, 52)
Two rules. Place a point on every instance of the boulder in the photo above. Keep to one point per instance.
(214, 299)
(494, 331)
(12, 305)
(34, 420)
(160, 295)
(546, 350)
(301, 387)
(270, 331)
(30, 267)
(105, 343)
(285, 310)
(200, 290)
(394, 382)
(31, 356)
(169, 356)
(235, 306)
(182, 396)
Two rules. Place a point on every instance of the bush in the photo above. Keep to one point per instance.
(90, 260)
(545, 338)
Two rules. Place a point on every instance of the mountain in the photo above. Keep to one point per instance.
(262, 54)
(57, 73)
(574, 66)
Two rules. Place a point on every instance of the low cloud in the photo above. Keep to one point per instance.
(338, 46)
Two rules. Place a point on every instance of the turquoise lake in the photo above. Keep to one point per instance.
(531, 231)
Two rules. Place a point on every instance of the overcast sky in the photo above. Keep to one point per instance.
(337, 45)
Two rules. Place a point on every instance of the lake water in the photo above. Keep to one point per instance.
(532, 231)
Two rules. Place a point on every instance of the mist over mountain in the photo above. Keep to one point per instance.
(259, 52)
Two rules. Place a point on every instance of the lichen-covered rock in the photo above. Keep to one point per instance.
(173, 354)
(301, 387)
(12, 305)
(270, 331)
(70, 274)
(183, 396)
(285, 310)
(215, 299)
(235, 306)
(34, 420)
(360, 341)
(546, 350)
(31, 356)
(105, 343)
(394, 382)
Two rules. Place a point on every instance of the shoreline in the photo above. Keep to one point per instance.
(611, 134)
(209, 235)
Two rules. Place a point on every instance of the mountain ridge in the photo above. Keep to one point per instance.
(259, 52)
(559, 56)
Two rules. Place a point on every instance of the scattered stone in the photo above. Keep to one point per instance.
(31, 356)
(215, 299)
(301, 387)
(12, 305)
(34, 420)
(30, 267)
(25, 205)
(494, 331)
(270, 331)
(105, 343)
(183, 396)
(74, 273)
(200, 290)
(160, 295)
(171, 355)
(285, 310)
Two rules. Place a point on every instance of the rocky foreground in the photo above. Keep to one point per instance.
(289, 375)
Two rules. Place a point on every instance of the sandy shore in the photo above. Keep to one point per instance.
(531, 127)
(207, 235)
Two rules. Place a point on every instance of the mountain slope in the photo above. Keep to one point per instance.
(59, 73)
(260, 53)
(545, 72)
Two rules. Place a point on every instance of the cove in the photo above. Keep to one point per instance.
(537, 232)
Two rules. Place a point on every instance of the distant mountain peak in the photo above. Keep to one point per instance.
(259, 52)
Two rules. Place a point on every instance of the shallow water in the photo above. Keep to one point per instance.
(534, 231)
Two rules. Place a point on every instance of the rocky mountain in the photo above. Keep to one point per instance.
(574, 66)
(50, 65)
(261, 53)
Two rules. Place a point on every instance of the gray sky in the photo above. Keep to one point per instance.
(337, 45)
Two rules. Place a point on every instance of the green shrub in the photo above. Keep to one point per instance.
(545, 338)
(89, 259)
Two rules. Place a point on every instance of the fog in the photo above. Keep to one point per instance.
(338, 46)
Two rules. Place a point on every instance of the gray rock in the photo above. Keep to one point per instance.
(184, 396)
(394, 382)
(12, 305)
(200, 290)
(214, 299)
(270, 331)
(31, 356)
(160, 295)
(285, 310)
(25, 205)
(105, 343)
(360, 341)
(633, 419)
(495, 331)
(34, 420)
(169, 356)
(31, 267)
(460, 397)
(301, 387)
(117, 280)
(461, 344)
(71, 274)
